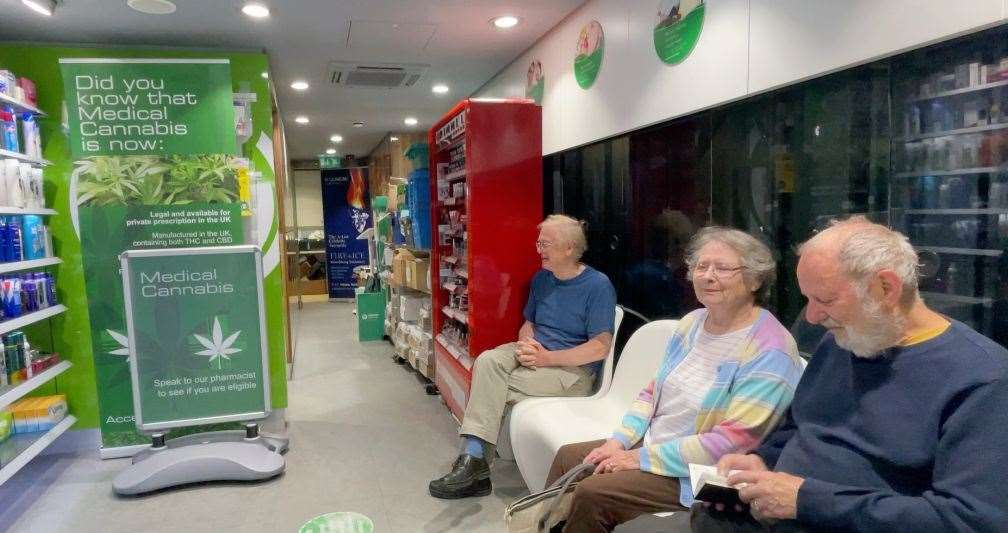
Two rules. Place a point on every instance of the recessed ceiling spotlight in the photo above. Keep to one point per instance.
(299, 85)
(42, 7)
(152, 7)
(506, 21)
(265, 75)
(440, 88)
(256, 10)
(394, 139)
(301, 119)
(330, 151)
(358, 124)
(410, 121)
(336, 138)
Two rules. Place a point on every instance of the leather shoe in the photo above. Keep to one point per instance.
(470, 476)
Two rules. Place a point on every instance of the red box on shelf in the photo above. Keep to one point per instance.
(491, 152)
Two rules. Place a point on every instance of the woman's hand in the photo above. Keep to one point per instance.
(619, 461)
(603, 452)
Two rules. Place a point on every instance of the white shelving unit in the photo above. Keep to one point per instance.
(19, 211)
(957, 172)
(13, 393)
(19, 106)
(21, 157)
(28, 265)
(8, 326)
(960, 131)
(964, 90)
(22, 448)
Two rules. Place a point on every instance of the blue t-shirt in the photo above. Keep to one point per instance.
(567, 313)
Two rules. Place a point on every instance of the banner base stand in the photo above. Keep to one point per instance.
(199, 460)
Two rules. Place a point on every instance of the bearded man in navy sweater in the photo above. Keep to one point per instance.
(900, 421)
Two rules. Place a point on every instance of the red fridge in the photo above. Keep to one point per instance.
(486, 201)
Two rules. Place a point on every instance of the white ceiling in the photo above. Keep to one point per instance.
(303, 36)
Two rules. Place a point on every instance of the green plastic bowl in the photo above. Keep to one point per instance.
(342, 522)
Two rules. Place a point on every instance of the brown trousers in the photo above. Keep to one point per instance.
(603, 501)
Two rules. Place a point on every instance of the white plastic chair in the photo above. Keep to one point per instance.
(540, 426)
(504, 448)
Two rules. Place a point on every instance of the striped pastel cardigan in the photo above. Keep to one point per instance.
(753, 387)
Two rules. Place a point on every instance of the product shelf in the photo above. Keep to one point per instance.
(22, 157)
(13, 393)
(19, 211)
(19, 106)
(461, 316)
(22, 448)
(28, 265)
(8, 326)
(960, 131)
(964, 90)
(957, 172)
(956, 298)
(961, 251)
(458, 174)
(459, 353)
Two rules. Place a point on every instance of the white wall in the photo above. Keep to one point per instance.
(308, 192)
(746, 47)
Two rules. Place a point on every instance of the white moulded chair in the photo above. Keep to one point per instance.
(540, 426)
(504, 448)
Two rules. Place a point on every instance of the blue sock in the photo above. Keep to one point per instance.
(473, 446)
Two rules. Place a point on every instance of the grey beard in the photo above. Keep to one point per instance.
(881, 331)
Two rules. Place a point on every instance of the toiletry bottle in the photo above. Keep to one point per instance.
(51, 289)
(16, 251)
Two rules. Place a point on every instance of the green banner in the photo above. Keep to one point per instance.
(148, 107)
(124, 195)
(196, 335)
(676, 34)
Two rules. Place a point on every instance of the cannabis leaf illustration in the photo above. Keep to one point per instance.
(122, 340)
(220, 348)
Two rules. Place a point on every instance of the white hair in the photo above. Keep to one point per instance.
(571, 231)
(866, 248)
(759, 268)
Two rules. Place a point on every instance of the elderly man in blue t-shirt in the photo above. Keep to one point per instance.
(567, 332)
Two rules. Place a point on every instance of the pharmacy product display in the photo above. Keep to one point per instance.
(949, 184)
(21, 361)
(19, 130)
(486, 201)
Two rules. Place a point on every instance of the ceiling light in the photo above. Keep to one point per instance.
(330, 151)
(394, 139)
(336, 138)
(301, 119)
(358, 124)
(254, 10)
(152, 7)
(506, 21)
(299, 85)
(43, 7)
(410, 121)
(265, 75)
(440, 88)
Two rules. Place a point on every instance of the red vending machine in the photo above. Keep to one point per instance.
(486, 201)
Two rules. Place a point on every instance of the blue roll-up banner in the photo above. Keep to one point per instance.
(346, 211)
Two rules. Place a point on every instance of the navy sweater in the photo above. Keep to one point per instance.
(914, 440)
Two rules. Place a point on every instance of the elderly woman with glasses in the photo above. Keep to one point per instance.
(728, 375)
(568, 328)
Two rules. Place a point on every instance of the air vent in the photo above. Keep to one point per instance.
(375, 75)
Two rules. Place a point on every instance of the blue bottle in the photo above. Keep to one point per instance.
(50, 287)
(14, 234)
(4, 240)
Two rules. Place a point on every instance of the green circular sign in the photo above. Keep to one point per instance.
(678, 29)
(342, 522)
(590, 49)
(535, 83)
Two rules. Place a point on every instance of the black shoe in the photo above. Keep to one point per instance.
(470, 476)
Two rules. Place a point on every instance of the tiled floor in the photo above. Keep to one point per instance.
(364, 437)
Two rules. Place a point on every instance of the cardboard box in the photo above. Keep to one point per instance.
(409, 307)
(418, 274)
(400, 265)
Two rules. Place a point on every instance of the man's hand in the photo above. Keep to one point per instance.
(619, 461)
(603, 452)
(531, 354)
(749, 462)
(770, 495)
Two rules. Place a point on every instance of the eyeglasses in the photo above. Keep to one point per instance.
(542, 245)
(720, 271)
